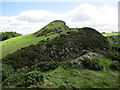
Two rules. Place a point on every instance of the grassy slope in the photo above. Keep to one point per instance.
(82, 78)
(13, 44)
(66, 77)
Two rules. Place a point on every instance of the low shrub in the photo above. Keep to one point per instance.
(68, 32)
(93, 64)
(7, 70)
(66, 65)
(84, 52)
(115, 65)
(45, 66)
(62, 35)
(115, 56)
(14, 80)
(33, 78)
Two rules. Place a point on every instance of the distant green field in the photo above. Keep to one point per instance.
(111, 34)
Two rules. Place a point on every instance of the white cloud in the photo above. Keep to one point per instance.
(35, 16)
(101, 18)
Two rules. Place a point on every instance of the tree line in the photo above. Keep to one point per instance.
(7, 35)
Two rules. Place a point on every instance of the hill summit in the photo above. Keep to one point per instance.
(54, 26)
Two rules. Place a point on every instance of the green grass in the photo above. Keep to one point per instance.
(13, 44)
(111, 34)
(81, 78)
(54, 24)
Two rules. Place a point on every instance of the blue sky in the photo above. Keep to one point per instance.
(14, 8)
(28, 17)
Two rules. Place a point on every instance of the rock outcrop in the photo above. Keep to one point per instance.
(87, 59)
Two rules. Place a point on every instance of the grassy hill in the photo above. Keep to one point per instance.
(66, 46)
(13, 44)
(60, 57)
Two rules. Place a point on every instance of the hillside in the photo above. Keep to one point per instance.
(19, 42)
(61, 48)
(61, 57)
(26, 40)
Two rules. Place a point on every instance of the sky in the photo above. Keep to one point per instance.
(29, 17)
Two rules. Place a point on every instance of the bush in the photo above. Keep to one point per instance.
(7, 35)
(14, 80)
(115, 65)
(68, 32)
(84, 52)
(6, 71)
(33, 78)
(115, 56)
(62, 35)
(93, 64)
(45, 66)
(66, 65)
(59, 32)
(47, 38)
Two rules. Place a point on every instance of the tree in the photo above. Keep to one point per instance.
(7, 35)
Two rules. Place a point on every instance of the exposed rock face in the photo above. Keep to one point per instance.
(89, 55)
(78, 62)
